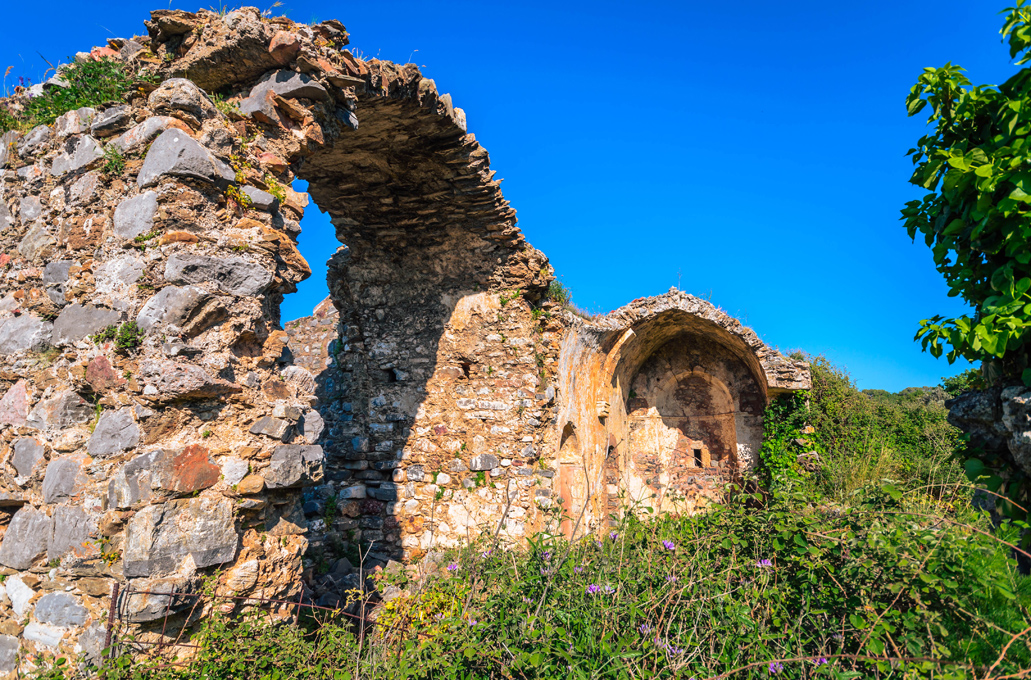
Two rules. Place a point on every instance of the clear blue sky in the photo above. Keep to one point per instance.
(751, 153)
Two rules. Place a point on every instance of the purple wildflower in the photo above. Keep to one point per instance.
(669, 545)
(593, 589)
(820, 662)
(608, 589)
(452, 567)
(578, 570)
(597, 543)
(472, 622)
(776, 667)
(546, 555)
(613, 535)
(671, 579)
(764, 564)
(527, 600)
(486, 553)
(645, 628)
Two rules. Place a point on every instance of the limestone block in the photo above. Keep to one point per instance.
(135, 216)
(146, 131)
(294, 465)
(272, 427)
(44, 634)
(110, 121)
(28, 453)
(74, 122)
(484, 462)
(231, 275)
(35, 241)
(26, 538)
(73, 529)
(290, 85)
(84, 190)
(311, 426)
(260, 200)
(62, 410)
(77, 321)
(29, 209)
(79, 152)
(8, 653)
(116, 432)
(33, 140)
(64, 479)
(24, 333)
(172, 305)
(60, 609)
(160, 537)
(176, 154)
(170, 381)
(114, 277)
(180, 94)
(14, 406)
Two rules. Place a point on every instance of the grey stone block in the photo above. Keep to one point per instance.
(172, 305)
(60, 609)
(484, 461)
(116, 431)
(386, 493)
(24, 333)
(110, 121)
(293, 466)
(135, 216)
(36, 239)
(60, 411)
(64, 479)
(180, 94)
(77, 321)
(176, 154)
(26, 538)
(260, 200)
(231, 275)
(8, 653)
(159, 537)
(73, 529)
(33, 140)
(79, 152)
(29, 208)
(311, 426)
(27, 454)
(290, 85)
(272, 427)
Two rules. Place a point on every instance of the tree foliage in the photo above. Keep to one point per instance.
(976, 162)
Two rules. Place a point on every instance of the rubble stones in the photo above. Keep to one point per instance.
(24, 333)
(55, 274)
(260, 200)
(8, 653)
(160, 537)
(33, 139)
(61, 610)
(311, 426)
(79, 153)
(77, 321)
(176, 154)
(74, 122)
(36, 240)
(29, 209)
(19, 593)
(172, 305)
(294, 465)
(135, 216)
(146, 131)
(180, 94)
(116, 432)
(231, 275)
(26, 538)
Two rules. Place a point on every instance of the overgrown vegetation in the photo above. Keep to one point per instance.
(88, 83)
(127, 336)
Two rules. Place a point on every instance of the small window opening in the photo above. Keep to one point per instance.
(697, 457)
(389, 376)
(466, 367)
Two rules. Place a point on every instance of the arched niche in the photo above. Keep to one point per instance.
(571, 484)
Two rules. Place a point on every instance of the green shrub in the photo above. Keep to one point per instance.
(127, 336)
(895, 586)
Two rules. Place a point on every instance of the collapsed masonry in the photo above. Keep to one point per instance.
(436, 395)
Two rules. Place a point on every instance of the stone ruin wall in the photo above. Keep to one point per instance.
(436, 395)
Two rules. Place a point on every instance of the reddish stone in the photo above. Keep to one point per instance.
(284, 46)
(99, 53)
(278, 389)
(81, 233)
(193, 471)
(272, 161)
(14, 407)
(372, 507)
(102, 376)
(5, 259)
(439, 429)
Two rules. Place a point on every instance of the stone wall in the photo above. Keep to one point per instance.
(157, 420)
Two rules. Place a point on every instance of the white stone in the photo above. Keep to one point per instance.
(43, 633)
(234, 470)
(19, 593)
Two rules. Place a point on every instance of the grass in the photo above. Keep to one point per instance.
(90, 83)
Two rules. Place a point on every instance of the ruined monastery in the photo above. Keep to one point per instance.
(437, 395)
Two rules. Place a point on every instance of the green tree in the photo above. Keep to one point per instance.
(977, 218)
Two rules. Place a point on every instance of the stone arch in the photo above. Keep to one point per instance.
(571, 486)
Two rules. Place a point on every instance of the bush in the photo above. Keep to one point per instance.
(897, 585)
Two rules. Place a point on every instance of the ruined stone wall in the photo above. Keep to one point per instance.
(436, 396)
